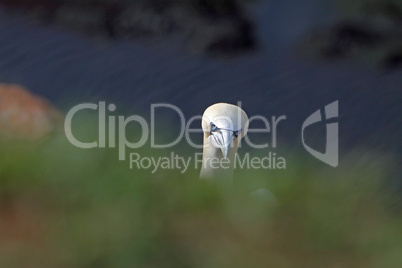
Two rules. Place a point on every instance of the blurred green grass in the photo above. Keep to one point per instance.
(66, 207)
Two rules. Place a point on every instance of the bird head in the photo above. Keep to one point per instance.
(224, 125)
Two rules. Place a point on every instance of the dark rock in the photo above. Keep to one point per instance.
(208, 25)
(143, 20)
(348, 37)
(353, 33)
(240, 40)
(387, 8)
(393, 61)
(85, 19)
(368, 39)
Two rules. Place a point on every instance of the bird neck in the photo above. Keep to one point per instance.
(214, 165)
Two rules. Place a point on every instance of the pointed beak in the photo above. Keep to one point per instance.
(224, 140)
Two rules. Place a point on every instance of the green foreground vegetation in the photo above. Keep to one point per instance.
(67, 207)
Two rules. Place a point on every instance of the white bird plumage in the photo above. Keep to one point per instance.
(224, 125)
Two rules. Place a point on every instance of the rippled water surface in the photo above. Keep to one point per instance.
(68, 68)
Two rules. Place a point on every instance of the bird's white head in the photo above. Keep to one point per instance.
(224, 125)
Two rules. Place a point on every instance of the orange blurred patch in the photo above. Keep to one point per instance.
(24, 115)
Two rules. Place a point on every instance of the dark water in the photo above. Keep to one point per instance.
(68, 69)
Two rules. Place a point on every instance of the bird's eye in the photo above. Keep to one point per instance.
(213, 127)
(236, 134)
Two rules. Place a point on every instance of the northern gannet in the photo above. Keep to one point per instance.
(224, 125)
